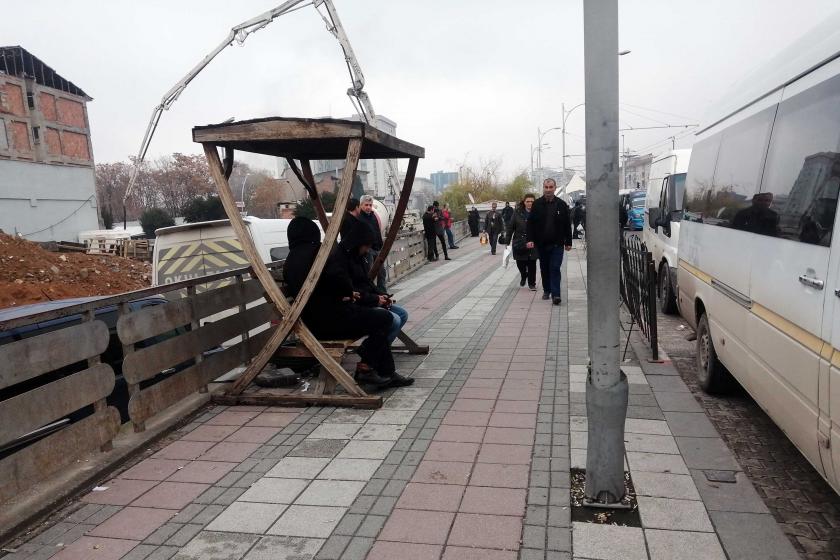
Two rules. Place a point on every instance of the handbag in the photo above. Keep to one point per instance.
(482, 238)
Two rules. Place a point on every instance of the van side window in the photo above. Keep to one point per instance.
(701, 171)
(676, 185)
(736, 173)
(802, 175)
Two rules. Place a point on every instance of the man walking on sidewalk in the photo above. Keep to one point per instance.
(550, 231)
(493, 226)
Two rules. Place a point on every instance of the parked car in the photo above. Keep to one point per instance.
(759, 268)
(634, 203)
(663, 213)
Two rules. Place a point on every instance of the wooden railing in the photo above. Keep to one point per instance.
(169, 351)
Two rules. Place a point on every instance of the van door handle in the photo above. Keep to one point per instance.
(812, 282)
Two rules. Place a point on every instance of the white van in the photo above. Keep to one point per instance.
(663, 212)
(193, 250)
(759, 264)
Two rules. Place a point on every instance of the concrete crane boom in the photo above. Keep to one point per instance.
(241, 32)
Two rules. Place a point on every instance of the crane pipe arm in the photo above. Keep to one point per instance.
(237, 33)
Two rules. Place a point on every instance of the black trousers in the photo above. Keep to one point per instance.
(528, 270)
(356, 321)
(431, 247)
(494, 238)
(442, 244)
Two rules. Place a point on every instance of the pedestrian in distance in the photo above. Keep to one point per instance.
(474, 221)
(578, 218)
(507, 213)
(429, 233)
(517, 232)
(550, 232)
(493, 226)
(440, 229)
(368, 216)
(447, 226)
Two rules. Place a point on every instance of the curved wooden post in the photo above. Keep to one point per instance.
(308, 181)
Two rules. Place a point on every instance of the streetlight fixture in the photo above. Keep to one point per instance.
(242, 195)
(622, 53)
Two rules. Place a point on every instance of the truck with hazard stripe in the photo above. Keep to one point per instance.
(194, 250)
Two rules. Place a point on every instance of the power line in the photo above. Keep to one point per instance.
(658, 111)
(61, 221)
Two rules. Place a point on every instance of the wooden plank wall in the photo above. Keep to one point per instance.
(44, 379)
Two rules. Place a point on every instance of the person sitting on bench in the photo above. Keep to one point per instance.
(332, 311)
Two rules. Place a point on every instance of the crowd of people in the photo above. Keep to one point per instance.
(348, 304)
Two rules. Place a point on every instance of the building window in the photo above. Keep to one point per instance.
(36, 134)
(30, 99)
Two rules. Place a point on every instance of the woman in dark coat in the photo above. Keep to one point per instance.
(526, 259)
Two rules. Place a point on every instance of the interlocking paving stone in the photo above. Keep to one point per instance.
(486, 531)
(216, 546)
(284, 548)
(665, 485)
(298, 467)
(656, 462)
(119, 492)
(171, 495)
(133, 523)
(308, 521)
(384, 550)
(247, 517)
(608, 542)
(667, 545)
(739, 496)
(415, 526)
(330, 493)
(751, 536)
(274, 490)
(434, 497)
(668, 513)
(350, 469)
(361, 449)
(96, 547)
(706, 453)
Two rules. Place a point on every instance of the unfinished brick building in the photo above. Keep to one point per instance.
(47, 180)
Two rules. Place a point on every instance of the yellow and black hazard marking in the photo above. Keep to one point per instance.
(199, 258)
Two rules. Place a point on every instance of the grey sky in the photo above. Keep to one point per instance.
(466, 79)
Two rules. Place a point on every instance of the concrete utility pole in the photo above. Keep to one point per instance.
(606, 387)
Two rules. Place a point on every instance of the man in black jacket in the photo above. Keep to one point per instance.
(368, 216)
(550, 231)
(494, 226)
(429, 233)
(333, 311)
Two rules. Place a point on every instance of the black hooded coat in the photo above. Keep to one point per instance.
(330, 312)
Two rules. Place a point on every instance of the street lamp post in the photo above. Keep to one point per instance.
(563, 128)
(242, 195)
(606, 385)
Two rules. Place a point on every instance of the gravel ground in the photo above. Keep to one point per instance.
(800, 500)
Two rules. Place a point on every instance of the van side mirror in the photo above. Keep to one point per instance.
(653, 217)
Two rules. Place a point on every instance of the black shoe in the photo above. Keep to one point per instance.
(370, 377)
(532, 287)
(492, 252)
(454, 247)
(522, 281)
(546, 296)
(556, 301)
(447, 259)
(398, 380)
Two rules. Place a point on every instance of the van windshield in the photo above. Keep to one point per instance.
(638, 202)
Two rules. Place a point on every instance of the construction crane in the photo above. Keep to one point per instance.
(358, 97)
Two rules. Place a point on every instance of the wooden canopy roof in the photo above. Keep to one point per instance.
(309, 139)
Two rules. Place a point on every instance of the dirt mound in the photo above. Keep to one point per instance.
(30, 274)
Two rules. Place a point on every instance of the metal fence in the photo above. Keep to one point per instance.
(638, 287)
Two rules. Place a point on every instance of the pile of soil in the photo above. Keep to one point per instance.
(31, 274)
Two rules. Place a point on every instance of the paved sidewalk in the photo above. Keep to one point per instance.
(472, 462)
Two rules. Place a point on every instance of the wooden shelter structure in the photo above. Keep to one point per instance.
(304, 140)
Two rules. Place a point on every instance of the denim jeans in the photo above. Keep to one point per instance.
(400, 317)
(551, 261)
(450, 238)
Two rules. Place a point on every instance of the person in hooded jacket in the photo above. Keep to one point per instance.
(333, 311)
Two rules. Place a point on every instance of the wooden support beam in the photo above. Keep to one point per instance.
(291, 314)
(308, 182)
(317, 203)
(396, 221)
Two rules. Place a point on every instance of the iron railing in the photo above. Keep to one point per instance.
(638, 288)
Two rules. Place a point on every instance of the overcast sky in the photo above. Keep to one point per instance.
(469, 80)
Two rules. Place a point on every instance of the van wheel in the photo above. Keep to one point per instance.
(667, 297)
(711, 374)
